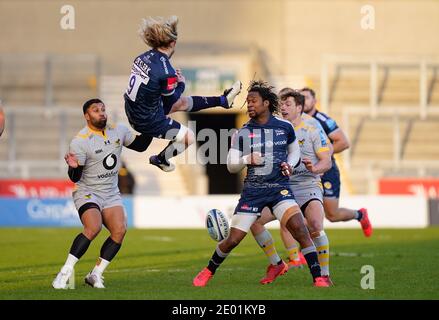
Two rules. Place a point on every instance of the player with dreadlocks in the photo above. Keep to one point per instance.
(267, 145)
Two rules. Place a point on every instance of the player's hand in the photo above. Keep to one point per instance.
(255, 159)
(308, 164)
(180, 76)
(71, 160)
(286, 169)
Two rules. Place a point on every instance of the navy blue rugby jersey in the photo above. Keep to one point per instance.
(271, 140)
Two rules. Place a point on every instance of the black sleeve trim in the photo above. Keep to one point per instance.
(140, 143)
(75, 173)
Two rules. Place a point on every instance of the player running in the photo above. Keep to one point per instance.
(267, 145)
(331, 178)
(155, 91)
(306, 187)
(94, 160)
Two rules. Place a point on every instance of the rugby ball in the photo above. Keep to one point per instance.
(217, 225)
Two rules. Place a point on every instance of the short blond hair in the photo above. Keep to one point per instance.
(158, 32)
(284, 92)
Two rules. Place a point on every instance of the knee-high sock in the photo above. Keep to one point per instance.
(322, 246)
(293, 252)
(108, 251)
(197, 103)
(312, 260)
(79, 246)
(265, 241)
(217, 258)
(173, 149)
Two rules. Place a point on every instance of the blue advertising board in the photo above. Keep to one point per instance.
(49, 212)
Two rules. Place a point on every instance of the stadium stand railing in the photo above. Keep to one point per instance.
(382, 80)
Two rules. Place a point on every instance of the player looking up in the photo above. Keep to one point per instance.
(94, 160)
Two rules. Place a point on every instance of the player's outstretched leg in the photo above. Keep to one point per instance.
(197, 103)
(336, 214)
(220, 254)
(114, 220)
(231, 94)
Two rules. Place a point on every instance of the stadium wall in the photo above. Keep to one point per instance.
(279, 27)
(190, 212)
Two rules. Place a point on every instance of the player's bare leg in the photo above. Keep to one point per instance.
(115, 221)
(92, 221)
(335, 214)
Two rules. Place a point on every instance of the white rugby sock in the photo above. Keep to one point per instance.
(71, 261)
(101, 265)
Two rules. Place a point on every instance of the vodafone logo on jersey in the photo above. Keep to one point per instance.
(36, 188)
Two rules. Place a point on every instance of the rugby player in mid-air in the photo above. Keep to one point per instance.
(306, 187)
(267, 145)
(331, 178)
(155, 91)
(94, 160)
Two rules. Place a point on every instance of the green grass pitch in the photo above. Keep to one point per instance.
(160, 264)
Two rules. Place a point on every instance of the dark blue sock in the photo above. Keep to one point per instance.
(200, 103)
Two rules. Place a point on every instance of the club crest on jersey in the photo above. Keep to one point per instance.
(327, 185)
(284, 192)
(87, 196)
(118, 142)
(301, 142)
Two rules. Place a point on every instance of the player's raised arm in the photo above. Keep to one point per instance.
(75, 170)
